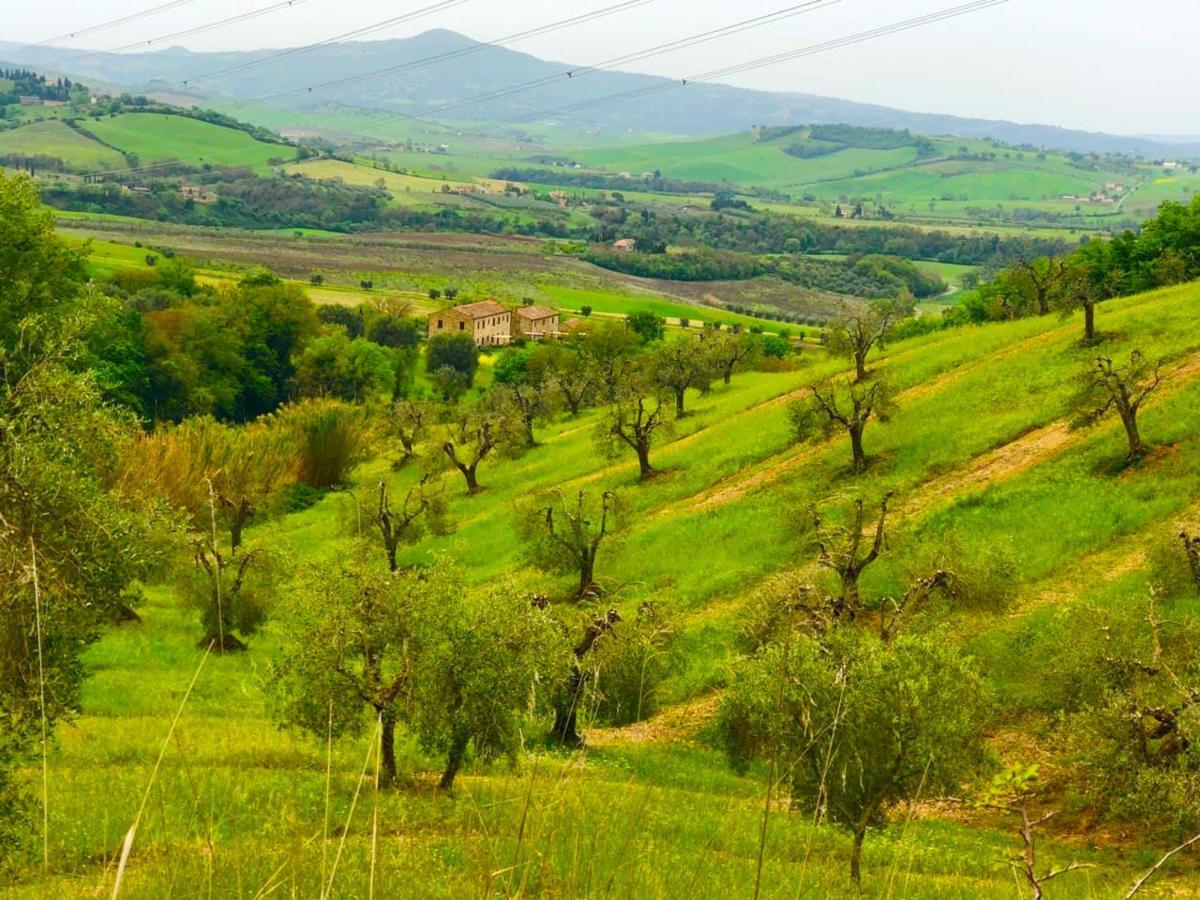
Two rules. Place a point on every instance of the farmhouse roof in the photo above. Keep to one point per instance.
(535, 313)
(481, 308)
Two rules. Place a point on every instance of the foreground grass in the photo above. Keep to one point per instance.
(239, 808)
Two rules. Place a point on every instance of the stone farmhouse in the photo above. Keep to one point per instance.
(489, 323)
(494, 325)
(535, 323)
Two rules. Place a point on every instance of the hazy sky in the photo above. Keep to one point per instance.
(1110, 65)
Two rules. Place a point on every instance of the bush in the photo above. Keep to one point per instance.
(332, 437)
(455, 351)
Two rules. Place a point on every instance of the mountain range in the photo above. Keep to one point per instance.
(439, 68)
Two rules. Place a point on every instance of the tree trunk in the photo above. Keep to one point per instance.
(566, 730)
(1137, 449)
(472, 480)
(242, 511)
(860, 366)
(679, 398)
(1089, 322)
(856, 446)
(643, 453)
(727, 375)
(851, 598)
(387, 775)
(454, 760)
(856, 856)
(222, 643)
(587, 569)
(530, 440)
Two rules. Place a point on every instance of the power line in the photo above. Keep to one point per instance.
(210, 26)
(775, 59)
(345, 36)
(464, 51)
(112, 23)
(195, 29)
(638, 56)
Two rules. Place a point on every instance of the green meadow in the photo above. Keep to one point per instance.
(53, 138)
(159, 138)
(977, 453)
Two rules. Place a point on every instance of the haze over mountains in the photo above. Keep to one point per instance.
(696, 109)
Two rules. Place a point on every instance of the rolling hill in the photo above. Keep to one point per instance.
(966, 466)
(699, 109)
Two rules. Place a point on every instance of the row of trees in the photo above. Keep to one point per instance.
(1164, 252)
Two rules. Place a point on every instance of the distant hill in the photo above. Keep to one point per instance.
(698, 109)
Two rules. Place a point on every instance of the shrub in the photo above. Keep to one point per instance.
(332, 438)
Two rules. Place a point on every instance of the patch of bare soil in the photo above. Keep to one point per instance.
(675, 725)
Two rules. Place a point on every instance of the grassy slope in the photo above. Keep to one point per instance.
(899, 177)
(53, 138)
(157, 138)
(239, 804)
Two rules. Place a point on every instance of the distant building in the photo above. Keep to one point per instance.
(1167, 163)
(559, 197)
(1114, 186)
(535, 322)
(624, 245)
(489, 323)
(198, 194)
(32, 101)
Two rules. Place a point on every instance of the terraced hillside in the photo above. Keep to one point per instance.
(978, 456)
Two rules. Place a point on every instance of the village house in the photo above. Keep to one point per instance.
(535, 323)
(489, 323)
(624, 245)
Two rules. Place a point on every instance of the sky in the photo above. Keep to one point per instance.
(1098, 65)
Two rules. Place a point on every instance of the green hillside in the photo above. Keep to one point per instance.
(940, 178)
(965, 465)
(53, 138)
(158, 138)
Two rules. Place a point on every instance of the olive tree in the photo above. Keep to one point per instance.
(838, 405)
(349, 647)
(566, 536)
(857, 725)
(638, 413)
(682, 364)
(410, 420)
(731, 352)
(232, 595)
(473, 433)
(1107, 387)
(481, 662)
(422, 510)
(1087, 280)
(840, 551)
(857, 332)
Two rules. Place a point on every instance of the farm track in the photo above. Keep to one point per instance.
(994, 466)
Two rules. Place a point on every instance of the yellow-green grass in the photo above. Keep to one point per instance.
(406, 189)
(571, 300)
(155, 137)
(54, 138)
(238, 800)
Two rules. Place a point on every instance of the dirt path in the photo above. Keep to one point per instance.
(675, 724)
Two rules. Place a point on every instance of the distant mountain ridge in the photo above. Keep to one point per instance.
(697, 109)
